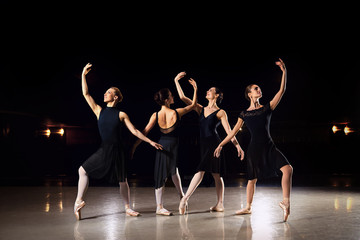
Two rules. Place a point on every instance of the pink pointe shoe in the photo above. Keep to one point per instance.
(77, 209)
(183, 206)
(286, 209)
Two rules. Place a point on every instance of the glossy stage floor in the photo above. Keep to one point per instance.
(47, 213)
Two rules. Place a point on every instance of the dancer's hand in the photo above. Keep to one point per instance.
(281, 64)
(87, 69)
(193, 83)
(217, 151)
(156, 145)
(180, 76)
(241, 153)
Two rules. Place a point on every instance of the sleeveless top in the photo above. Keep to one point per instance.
(171, 131)
(109, 160)
(209, 124)
(109, 125)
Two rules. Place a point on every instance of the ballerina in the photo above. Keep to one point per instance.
(210, 118)
(166, 160)
(263, 158)
(108, 161)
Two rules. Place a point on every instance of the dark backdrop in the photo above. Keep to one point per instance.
(140, 49)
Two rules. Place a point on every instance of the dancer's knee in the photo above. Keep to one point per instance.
(287, 169)
(217, 177)
(200, 175)
(81, 171)
(252, 181)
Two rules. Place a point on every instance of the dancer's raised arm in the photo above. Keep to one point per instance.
(95, 107)
(182, 96)
(230, 136)
(275, 101)
(183, 111)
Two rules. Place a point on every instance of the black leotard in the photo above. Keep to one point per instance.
(209, 140)
(263, 158)
(166, 159)
(108, 161)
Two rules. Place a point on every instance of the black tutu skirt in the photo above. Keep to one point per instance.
(107, 162)
(208, 162)
(264, 160)
(166, 160)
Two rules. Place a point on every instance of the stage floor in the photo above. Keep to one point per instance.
(47, 213)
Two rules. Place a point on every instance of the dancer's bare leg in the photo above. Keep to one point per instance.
(195, 181)
(177, 182)
(220, 188)
(286, 182)
(125, 194)
(250, 190)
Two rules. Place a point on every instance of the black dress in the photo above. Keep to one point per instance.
(166, 159)
(209, 140)
(109, 160)
(263, 158)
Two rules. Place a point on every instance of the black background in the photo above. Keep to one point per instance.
(141, 47)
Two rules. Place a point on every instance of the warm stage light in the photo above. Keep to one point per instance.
(47, 132)
(335, 129)
(61, 132)
(347, 130)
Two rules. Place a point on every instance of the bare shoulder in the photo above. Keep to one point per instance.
(199, 108)
(153, 116)
(221, 113)
(123, 116)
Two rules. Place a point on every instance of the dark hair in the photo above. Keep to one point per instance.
(161, 96)
(221, 95)
(247, 91)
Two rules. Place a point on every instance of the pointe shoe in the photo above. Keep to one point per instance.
(286, 209)
(163, 212)
(243, 211)
(77, 209)
(131, 213)
(217, 209)
(183, 207)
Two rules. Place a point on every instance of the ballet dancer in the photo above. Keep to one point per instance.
(108, 161)
(167, 120)
(210, 118)
(263, 158)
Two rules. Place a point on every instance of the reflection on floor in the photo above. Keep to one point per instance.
(47, 213)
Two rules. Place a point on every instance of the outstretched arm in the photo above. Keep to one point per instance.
(145, 132)
(232, 134)
(226, 125)
(193, 104)
(182, 96)
(125, 118)
(275, 101)
(96, 108)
